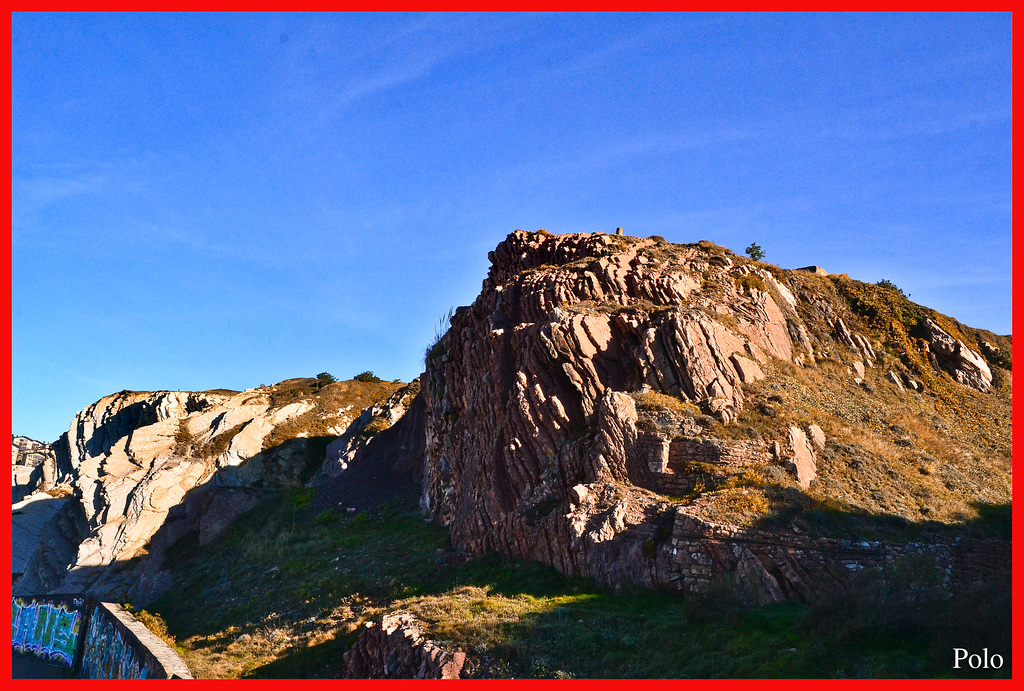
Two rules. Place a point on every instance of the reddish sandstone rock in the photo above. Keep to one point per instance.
(532, 445)
(803, 458)
(396, 648)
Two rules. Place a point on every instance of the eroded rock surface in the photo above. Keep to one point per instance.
(535, 447)
(396, 648)
(132, 457)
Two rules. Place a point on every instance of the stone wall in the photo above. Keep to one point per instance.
(680, 465)
(770, 566)
(91, 639)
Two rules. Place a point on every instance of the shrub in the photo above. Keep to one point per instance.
(749, 282)
(755, 252)
(367, 377)
(885, 283)
(652, 400)
(323, 379)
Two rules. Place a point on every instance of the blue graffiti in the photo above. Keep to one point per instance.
(45, 629)
(107, 655)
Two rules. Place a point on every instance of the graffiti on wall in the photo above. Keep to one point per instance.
(107, 655)
(49, 630)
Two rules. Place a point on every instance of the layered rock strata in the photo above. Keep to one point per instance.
(131, 458)
(532, 441)
(396, 648)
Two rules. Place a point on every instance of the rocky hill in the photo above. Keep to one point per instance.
(639, 413)
(145, 468)
(667, 415)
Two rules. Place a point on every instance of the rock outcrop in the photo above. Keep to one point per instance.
(379, 457)
(953, 355)
(396, 648)
(533, 448)
(132, 458)
(534, 444)
(372, 435)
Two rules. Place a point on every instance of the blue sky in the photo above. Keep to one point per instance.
(205, 201)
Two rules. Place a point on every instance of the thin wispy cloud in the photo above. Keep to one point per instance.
(636, 149)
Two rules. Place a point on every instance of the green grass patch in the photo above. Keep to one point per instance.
(275, 599)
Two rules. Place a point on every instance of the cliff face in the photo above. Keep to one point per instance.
(596, 409)
(132, 458)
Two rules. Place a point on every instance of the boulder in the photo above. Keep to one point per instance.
(396, 648)
(953, 355)
(803, 459)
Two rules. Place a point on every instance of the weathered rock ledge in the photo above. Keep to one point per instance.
(396, 648)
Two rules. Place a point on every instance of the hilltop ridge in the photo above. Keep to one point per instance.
(607, 401)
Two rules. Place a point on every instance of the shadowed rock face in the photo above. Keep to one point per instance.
(132, 457)
(532, 440)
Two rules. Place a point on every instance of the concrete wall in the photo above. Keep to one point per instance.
(92, 639)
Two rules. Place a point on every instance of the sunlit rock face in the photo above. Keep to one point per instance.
(130, 458)
(535, 446)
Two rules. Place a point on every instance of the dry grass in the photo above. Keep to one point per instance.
(376, 425)
(740, 506)
(472, 614)
(652, 400)
(334, 408)
(750, 282)
(904, 454)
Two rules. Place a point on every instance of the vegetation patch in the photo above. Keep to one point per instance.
(778, 273)
(376, 425)
(652, 400)
(220, 443)
(334, 406)
(749, 282)
(272, 601)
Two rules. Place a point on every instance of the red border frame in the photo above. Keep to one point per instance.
(572, 6)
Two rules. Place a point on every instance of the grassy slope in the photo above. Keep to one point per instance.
(285, 593)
